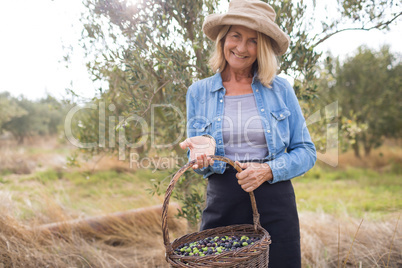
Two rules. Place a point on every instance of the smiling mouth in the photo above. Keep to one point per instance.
(238, 56)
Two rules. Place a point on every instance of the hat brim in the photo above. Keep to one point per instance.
(214, 23)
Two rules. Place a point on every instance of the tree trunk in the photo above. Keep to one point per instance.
(106, 224)
(356, 149)
(20, 140)
(367, 145)
(367, 150)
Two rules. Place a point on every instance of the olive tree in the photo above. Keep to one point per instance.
(149, 51)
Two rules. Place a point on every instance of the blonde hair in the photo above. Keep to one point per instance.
(266, 60)
(217, 60)
(266, 64)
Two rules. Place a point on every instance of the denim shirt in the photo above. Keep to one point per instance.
(291, 151)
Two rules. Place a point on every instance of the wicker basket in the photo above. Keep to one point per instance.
(255, 255)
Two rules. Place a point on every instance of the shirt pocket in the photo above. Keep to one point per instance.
(281, 124)
(201, 127)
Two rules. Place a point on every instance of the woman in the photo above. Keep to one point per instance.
(248, 114)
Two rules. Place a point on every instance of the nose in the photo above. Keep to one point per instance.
(242, 47)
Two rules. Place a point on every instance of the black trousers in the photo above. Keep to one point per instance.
(228, 204)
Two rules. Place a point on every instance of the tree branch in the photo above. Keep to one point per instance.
(153, 95)
(378, 26)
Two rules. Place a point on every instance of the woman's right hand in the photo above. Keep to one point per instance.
(200, 147)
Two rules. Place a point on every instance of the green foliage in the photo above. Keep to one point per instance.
(9, 109)
(24, 118)
(368, 88)
(192, 207)
(190, 191)
(72, 160)
(149, 52)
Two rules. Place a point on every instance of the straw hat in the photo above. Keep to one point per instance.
(253, 14)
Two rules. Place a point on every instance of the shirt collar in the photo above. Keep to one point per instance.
(217, 81)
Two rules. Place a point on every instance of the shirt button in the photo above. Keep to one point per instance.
(220, 141)
(262, 110)
(256, 90)
(269, 131)
(221, 100)
(281, 115)
(219, 119)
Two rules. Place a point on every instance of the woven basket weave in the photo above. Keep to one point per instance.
(255, 255)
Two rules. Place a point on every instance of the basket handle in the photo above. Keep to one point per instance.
(165, 231)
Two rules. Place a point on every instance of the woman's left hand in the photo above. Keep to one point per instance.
(253, 175)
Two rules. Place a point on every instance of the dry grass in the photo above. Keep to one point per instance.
(133, 242)
(42, 153)
(330, 242)
(138, 242)
(27, 202)
(384, 158)
(106, 162)
(33, 155)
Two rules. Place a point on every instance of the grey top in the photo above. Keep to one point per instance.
(243, 133)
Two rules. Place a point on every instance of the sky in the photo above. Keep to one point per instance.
(35, 35)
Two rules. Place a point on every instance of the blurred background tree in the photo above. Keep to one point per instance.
(147, 53)
(9, 109)
(24, 118)
(368, 88)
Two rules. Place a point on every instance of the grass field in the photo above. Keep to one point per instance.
(349, 215)
(354, 192)
(357, 192)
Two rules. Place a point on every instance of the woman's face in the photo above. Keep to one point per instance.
(240, 47)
